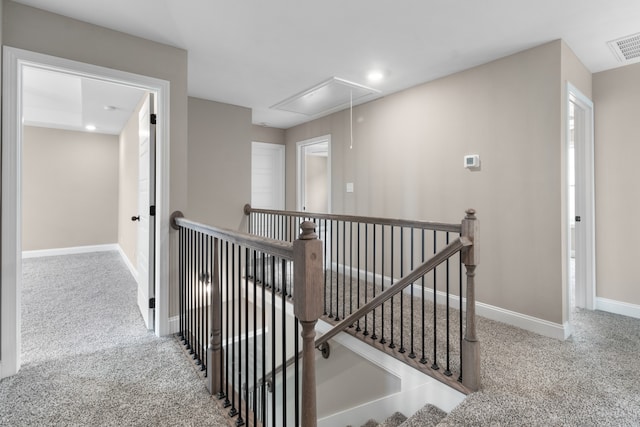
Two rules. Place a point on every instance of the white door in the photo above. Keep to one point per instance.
(146, 212)
(267, 176)
(314, 175)
(581, 200)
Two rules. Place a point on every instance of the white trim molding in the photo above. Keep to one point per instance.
(70, 250)
(618, 307)
(14, 60)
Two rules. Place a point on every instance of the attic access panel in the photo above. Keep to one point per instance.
(330, 95)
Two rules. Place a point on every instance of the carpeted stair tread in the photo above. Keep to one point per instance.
(394, 420)
(428, 416)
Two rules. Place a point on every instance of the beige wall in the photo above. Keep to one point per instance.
(69, 189)
(219, 162)
(39, 31)
(128, 186)
(616, 95)
(407, 162)
(267, 134)
(316, 184)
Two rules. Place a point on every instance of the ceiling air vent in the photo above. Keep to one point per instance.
(626, 48)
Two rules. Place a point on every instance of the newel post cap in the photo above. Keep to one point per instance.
(247, 209)
(308, 230)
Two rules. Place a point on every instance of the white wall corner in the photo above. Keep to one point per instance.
(618, 307)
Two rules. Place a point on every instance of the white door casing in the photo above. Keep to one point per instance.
(11, 248)
(267, 175)
(319, 147)
(146, 202)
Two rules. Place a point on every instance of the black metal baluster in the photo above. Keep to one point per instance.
(246, 331)
(447, 371)
(435, 298)
(412, 353)
(423, 359)
(255, 340)
(330, 267)
(382, 339)
(366, 275)
(181, 279)
(296, 367)
(358, 275)
(263, 387)
(460, 309)
(324, 244)
(240, 420)
(206, 294)
(227, 339)
(232, 339)
(338, 271)
(373, 312)
(350, 270)
(284, 353)
(192, 269)
(402, 349)
(273, 346)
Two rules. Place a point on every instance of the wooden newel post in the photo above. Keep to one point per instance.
(307, 306)
(470, 344)
(214, 350)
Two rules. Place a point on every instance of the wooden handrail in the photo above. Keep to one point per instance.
(275, 247)
(427, 225)
(396, 288)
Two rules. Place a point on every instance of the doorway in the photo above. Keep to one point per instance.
(314, 175)
(15, 61)
(580, 254)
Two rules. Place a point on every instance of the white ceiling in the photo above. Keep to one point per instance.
(57, 100)
(256, 53)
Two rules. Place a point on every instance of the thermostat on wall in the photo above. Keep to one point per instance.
(471, 161)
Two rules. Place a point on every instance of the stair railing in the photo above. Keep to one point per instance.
(229, 325)
(365, 257)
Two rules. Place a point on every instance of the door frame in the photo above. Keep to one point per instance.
(11, 228)
(585, 205)
(300, 170)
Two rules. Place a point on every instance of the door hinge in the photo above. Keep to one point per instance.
(152, 303)
(152, 210)
(153, 119)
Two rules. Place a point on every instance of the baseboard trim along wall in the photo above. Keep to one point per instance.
(131, 267)
(618, 307)
(70, 251)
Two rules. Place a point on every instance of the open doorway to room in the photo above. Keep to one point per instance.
(581, 222)
(314, 175)
(30, 118)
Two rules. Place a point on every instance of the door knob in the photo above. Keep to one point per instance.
(135, 218)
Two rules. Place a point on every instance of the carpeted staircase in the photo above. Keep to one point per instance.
(429, 416)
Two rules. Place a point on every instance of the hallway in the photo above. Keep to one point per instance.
(87, 358)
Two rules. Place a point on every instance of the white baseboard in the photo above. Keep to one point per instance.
(513, 318)
(618, 307)
(522, 321)
(131, 267)
(174, 325)
(70, 251)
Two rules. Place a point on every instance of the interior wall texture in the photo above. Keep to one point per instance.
(39, 31)
(267, 134)
(219, 163)
(70, 189)
(407, 162)
(616, 95)
(129, 158)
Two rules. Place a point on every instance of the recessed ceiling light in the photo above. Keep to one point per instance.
(375, 76)
(90, 128)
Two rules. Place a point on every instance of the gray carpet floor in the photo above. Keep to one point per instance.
(87, 358)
